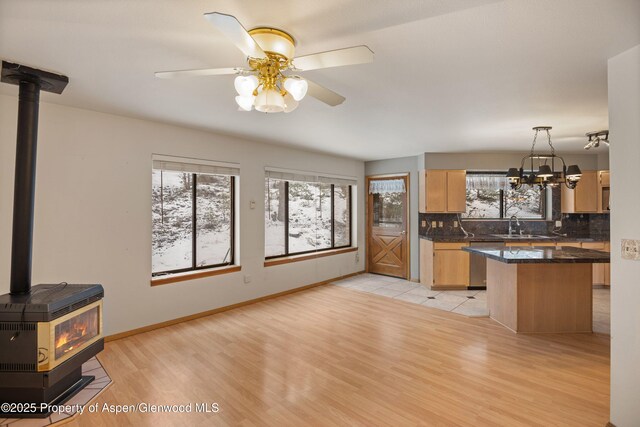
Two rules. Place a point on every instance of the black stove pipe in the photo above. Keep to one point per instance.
(24, 187)
(31, 81)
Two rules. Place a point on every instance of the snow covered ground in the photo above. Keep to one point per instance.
(172, 220)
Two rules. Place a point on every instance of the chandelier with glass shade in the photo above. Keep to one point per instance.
(546, 174)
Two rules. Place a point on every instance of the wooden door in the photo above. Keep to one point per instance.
(387, 230)
(457, 191)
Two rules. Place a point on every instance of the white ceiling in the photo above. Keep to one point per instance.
(449, 75)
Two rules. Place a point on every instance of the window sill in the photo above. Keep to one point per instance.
(305, 257)
(192, 275)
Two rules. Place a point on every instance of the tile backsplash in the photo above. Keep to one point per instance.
(577, 225)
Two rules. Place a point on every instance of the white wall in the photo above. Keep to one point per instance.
(93, 212)
(404, 165)
(624, 123)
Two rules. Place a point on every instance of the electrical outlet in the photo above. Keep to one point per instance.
(455, 224)
(423, 223)
(247, 278)
(440, 224)
(631, 249)
(558, 224)
(357, 257)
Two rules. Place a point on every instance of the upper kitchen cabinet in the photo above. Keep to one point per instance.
(591, 195)
(443, 191)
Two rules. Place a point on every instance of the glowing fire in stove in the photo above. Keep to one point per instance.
(76, 331)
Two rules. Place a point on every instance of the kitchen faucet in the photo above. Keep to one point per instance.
(511, 230)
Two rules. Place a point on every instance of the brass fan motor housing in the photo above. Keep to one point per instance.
(279, 46)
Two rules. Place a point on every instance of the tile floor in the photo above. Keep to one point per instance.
(468, 303)
(84, 396)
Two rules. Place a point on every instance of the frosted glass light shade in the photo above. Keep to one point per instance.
(245, 85)
(269, 101)
(245, 102)
(290, 103)
(297, 87)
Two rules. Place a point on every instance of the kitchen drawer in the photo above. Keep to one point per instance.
(452, 246)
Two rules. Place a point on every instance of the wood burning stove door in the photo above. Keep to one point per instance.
(62, 338)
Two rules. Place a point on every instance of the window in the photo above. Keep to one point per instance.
(489, 197)
(303, 215)
(193, 217)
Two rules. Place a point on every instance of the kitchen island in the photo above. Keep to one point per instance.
(540, 289)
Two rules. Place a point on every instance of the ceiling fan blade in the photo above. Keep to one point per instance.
(194, 73)
(233, 29)
(334, 58)
(323, 94)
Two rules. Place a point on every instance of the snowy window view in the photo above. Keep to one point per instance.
(488, 197)
(192, 221)
(315, 215)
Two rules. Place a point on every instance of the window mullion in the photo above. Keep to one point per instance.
(333, 224)
(286, 217)
(193, 221)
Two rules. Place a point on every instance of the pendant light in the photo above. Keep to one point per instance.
(546, 174)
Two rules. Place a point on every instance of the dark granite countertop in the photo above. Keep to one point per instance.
(455, 238)
(540, 254)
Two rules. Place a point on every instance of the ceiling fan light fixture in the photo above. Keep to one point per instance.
(290, 103)
(296, 86)
(269, 101)
(245, 102)
(245, 85)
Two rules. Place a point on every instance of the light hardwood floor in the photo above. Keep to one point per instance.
(335, 356)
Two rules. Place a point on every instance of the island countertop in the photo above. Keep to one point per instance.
(540, 254)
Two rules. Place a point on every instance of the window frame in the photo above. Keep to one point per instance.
(194, 227)
(287, 253)
(502, 217)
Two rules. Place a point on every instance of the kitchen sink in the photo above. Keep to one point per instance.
(521, 236)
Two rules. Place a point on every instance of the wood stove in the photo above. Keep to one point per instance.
(46, 331)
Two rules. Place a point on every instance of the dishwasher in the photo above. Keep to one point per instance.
(478, 265)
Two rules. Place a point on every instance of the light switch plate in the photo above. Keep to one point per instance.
(440, 224)
(558, 224)
(434, 224)
(455, 224)
(423, 223)
(630, 249)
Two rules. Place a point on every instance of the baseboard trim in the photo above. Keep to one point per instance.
(166, 323)
(610, 424)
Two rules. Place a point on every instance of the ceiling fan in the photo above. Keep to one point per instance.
(270, 83)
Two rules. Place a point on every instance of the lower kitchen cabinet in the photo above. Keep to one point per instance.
(444, 265)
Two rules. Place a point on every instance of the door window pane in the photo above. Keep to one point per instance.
(172, 214)
(342, 215)
(213, 219)
(387, 210)
(274, 211)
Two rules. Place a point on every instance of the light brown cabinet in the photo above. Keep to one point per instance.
(591, 195)
(442, 191)
(444, 265)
